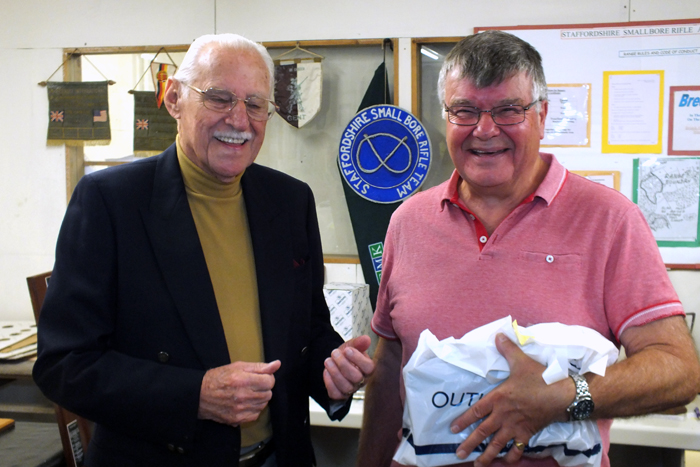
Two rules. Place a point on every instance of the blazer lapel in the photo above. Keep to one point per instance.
(174, 239)
(272, 248)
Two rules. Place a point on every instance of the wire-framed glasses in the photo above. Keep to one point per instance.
(221, 100)
(466, 115)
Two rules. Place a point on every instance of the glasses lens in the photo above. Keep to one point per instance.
(259, 108)
(218, 100)
(508, 114)
(463, 115)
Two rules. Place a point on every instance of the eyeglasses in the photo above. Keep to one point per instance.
(466, 115)
(221, 100)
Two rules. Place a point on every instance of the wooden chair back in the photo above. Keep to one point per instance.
(75, 431)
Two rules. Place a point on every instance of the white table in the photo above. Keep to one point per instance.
(669, 431)
(352, 420)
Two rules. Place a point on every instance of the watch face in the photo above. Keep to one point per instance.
(582, 410)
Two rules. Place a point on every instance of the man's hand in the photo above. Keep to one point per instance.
(236, 393)
(515, 410)
(347, 368)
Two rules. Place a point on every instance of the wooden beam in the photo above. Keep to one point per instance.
(75, 154)
(341, 259)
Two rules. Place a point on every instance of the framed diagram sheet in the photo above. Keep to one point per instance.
(667, 190)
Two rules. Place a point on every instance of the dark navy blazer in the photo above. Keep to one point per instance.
(130, 322)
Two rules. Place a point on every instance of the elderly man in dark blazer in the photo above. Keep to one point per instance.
(185, 314)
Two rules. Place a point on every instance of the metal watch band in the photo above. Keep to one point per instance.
(582, 406)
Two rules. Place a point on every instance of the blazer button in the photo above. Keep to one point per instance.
(163, 357)
(304, 350)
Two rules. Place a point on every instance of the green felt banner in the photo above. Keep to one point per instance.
(78, 111)
(154, 128)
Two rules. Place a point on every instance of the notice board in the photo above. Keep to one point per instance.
(635, 92)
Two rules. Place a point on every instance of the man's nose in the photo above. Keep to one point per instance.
(237, 117)
(486, 127)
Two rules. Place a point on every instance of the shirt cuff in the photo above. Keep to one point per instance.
(335, 406)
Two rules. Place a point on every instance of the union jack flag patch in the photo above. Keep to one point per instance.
(56, 115)
(142, 124)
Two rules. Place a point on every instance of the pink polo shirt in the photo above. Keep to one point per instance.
(575, 252)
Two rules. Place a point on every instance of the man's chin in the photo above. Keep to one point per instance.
(225, 173)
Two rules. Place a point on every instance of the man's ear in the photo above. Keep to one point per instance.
(172, 97)
(543, 116)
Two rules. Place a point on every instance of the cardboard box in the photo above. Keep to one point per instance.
(351, 311)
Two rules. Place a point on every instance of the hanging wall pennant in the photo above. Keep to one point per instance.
(78, 111)
(160, 73)
(298, 85)
(154, 128)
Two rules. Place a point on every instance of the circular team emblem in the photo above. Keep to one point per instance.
(384, 154)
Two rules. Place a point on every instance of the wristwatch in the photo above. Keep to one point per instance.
(582, 406)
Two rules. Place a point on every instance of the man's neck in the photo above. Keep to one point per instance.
(493, 204)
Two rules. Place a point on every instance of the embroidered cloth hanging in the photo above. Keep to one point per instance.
(78, 111)
(154, 128)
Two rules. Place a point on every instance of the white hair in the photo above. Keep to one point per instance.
(189, 69)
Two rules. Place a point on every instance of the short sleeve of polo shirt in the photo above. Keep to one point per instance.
(637, 287)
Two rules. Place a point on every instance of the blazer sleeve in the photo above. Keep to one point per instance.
(325, 339)
(79, 365)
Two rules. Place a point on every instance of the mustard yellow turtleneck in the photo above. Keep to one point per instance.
(222, 225)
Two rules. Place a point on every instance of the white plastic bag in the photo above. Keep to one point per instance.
(444, 378)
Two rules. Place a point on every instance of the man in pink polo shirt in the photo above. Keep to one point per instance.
(512, 232)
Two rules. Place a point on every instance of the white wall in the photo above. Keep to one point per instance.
(34, 32)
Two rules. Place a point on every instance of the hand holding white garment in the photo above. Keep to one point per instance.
(444, 378)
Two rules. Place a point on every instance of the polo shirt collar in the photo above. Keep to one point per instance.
(553, 181)
(548, 189)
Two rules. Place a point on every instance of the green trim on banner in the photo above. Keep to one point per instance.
(376, 251)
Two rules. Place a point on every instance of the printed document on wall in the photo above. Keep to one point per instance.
(632, 117)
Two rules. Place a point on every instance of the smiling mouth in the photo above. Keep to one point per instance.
(233, 137)
(478, 152)
(231, 140)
